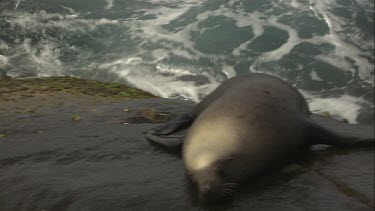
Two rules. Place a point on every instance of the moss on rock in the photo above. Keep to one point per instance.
(15, 88)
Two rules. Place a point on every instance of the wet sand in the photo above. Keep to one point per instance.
(74, 149)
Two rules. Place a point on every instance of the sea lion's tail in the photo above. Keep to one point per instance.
(325, 130)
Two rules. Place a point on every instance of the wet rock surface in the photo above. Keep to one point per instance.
(63, 151)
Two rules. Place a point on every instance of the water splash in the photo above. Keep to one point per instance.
(109, 4)
(17, 4)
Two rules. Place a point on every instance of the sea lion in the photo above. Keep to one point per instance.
(245, 127)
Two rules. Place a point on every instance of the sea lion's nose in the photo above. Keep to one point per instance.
(206, 189)
(207, 193)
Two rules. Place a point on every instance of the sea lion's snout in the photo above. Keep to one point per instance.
(208, 172)
(209, 193)
(208, 184)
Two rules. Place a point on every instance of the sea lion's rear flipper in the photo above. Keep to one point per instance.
(172, 133)
(325, 130)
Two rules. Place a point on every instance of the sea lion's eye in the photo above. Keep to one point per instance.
(229, 158)
(225, 167)
(222, 163)
(222, 172)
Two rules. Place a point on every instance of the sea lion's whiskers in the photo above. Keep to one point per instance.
(230, 185)
(227, 192)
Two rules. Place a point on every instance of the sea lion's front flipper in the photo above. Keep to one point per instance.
(325, 130)
(172, 133)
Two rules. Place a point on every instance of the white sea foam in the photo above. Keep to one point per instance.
(69, 9)
(18, 3)
(345, 53)
(150, 31)
(3, 60)
(229, 71)
(345, 106)
(315, 76)
(3, 45)
(296, 4)
(46, 58)
(283, 50)
(109, 4)
(344, 49)
(161, 80)
(41, 20)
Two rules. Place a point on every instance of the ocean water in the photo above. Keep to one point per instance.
(185, 48)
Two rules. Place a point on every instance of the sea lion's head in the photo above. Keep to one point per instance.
(213, 154)
(213, 175)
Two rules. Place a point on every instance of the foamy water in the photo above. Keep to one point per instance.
(186, 48)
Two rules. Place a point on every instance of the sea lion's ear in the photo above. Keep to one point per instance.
(172, 133)
(325, 130)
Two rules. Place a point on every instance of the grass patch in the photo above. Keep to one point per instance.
(29, 87)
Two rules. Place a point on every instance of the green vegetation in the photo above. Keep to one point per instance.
(24, 88)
